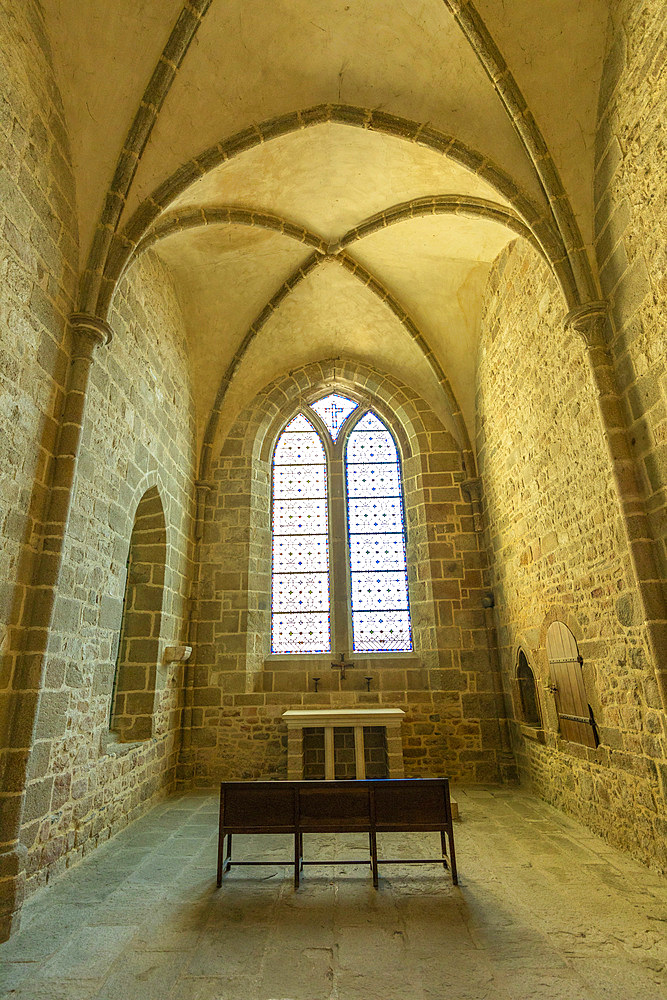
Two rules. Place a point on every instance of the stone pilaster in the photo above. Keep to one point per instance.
(202, 491)
(589, 321)
(23, 702)
(473, 491)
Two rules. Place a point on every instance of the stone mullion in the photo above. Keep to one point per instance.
(87, 333)
(341, 640)
(589, 322)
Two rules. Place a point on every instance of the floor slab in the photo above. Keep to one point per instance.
(544, 909)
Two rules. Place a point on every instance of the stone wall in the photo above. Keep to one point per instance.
(559, 552)
(138, 436)
(38, 265)
(239, 691)
(631, 208)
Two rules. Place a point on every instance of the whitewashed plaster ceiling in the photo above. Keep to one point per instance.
(251, 60)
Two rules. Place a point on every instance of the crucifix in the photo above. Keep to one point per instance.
(341, 665)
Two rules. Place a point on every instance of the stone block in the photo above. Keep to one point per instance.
(38, 799)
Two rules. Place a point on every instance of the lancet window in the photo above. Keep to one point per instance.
(339, 569)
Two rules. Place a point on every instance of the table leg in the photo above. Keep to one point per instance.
(374, 858)
(221, 846)
(443, 849)
(297, 859)
(452, 855)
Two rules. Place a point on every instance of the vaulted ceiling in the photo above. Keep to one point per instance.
(396, 281)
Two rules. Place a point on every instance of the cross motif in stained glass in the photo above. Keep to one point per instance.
(300, 578)
(334, 411)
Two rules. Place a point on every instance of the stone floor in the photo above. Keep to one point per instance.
(544, 910)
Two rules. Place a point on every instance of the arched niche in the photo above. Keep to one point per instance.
(133, 696)
(528, 699)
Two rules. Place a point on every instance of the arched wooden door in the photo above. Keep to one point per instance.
(574, 713)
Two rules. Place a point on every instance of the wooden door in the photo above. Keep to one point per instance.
(574, 713)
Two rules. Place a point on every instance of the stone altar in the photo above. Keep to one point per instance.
(329, 719)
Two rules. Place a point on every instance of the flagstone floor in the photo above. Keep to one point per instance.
(544, 911)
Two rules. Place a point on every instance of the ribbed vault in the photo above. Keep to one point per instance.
(308, 171)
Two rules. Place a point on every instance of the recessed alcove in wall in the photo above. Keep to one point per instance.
(528, 700)
(133, 697)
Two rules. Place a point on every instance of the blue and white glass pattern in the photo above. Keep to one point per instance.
(376, 526)
(334, 411)
(300, 602)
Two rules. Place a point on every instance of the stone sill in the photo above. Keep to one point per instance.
(532, 733)
(114, 748)
(302, 661)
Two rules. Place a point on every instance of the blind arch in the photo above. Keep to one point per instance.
(527, 691)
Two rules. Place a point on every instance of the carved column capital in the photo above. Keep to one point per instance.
(472, 489)
(85, 325)
(203, 487)
(588, 321)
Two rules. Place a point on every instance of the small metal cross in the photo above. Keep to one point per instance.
(341, 665)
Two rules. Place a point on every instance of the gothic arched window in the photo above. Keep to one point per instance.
(339, 574)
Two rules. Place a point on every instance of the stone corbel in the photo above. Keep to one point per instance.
(472, 490)
(589, 321)
(177, 654)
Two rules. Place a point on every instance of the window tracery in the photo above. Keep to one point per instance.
(362, 452)
(334, 410)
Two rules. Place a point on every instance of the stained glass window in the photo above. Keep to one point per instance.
(300, 578)
(378, 567)
(334, 411)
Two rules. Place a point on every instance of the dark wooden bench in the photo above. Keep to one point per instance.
(372, 806)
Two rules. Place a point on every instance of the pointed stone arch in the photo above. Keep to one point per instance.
(246, 452)
(123, 244)
(381, 292)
